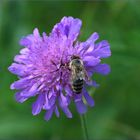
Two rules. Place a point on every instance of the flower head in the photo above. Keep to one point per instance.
(43, 67)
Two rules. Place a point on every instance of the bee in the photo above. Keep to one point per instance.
(78, 74)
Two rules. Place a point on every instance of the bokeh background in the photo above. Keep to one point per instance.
(116, 115)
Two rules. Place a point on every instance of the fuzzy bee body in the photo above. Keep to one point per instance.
(77, 86)
(78, 74)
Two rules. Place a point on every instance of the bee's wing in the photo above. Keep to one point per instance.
(86, 77)
(73, 74)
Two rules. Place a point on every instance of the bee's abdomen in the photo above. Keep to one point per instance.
(78, 86)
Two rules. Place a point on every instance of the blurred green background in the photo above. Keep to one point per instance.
(116, 115)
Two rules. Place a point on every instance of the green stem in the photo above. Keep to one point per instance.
(84, 127)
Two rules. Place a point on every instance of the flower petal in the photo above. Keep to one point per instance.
(25, 41)
(102, 49)
(20, 98)
(92, 83)
(29, 92)
(63, 103)
(57, 111)
(81, 108)
(88, 98)
(24, 51)
(91, 61)
(49, 102)
(68, 90)
(62, 100)
(103, 69)
(87, 46)
(18, 69)
(92, 38)
(67, 111)
(49, 113)
(36, 33)
(38, 104)
(22, 83)
(21, 59)
(46, 105)
(68, 27)
(52, 100)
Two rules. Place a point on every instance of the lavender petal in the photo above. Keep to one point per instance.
(20, 98)
(38, 104)
(49, 113)
(67, 111)
(57, 111)
(88, 98)
(81, 108)
(103, 69)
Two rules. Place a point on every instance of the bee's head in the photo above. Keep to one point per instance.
(76, 61)
(75, 57)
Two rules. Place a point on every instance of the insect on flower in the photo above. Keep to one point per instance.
(56, 68)
(78, 74)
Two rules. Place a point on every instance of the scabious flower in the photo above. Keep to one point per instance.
(43, 68)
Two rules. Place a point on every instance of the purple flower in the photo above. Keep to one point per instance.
(43, 68)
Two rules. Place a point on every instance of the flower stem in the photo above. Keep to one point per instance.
(84, 126)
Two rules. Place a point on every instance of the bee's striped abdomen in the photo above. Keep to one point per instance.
(78, 86)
